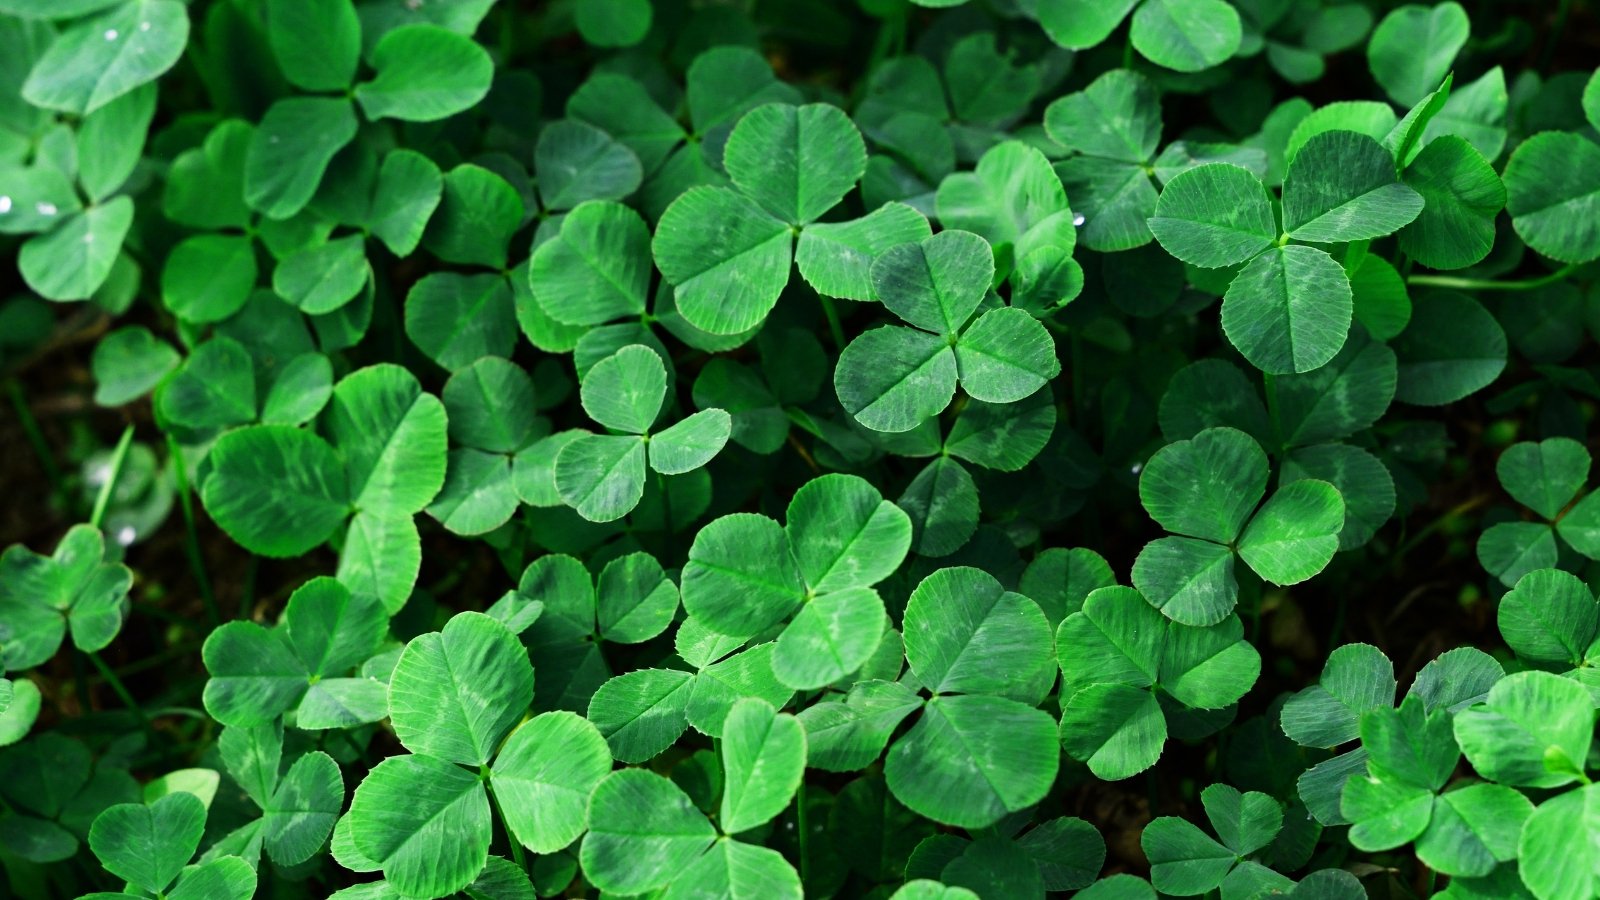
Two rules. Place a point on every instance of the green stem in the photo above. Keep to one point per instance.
(511, 838)
(41, 448)
(120, 689)
(1484, 284)
(834, 328)
(1270, 384)
(800, 816)
(119, 456)
(192, 542)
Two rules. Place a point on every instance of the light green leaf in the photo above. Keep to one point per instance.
(796, 162)
(596, 269)
(424, 822)
(1117, 117)
(625, 391)
(425, 73)
(965, 633)
(72, 261)
(844, 534)
(642, 712)
(764, 755)
(1534, 730)
(1552, 864)
(278, 491)
(290, 150)
(317, 42)
(1553, 194)
(1009, 746)
(1544, 476)
(892, 378)
(601, 476)
(1184, 861)
(1205, 487)
(1215, 215)
(1117, 730)
(209, 277)
(1462, 196)
(301, 813)
(1356, 678)
(1342, 187)
(935, 284)
(99, 59)
(543, 776)
(1081, 24)
(392, 436)
(728, 276)
(831, 637)
(740, 577)
(149, 845)
(459, 319)
(1289, 310)
(1186, 35)
(836, 258)
(1296, 532)
(1412, 49)
(1005, 356)
(455, 693)
(643, 832)
(691, 443)
(577, 163)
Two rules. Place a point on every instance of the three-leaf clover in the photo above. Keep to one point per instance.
(456, 699)
(746, 574)
(893, 377)
(1185, 861)
(1289, 308)
(1544, 476)
(150, 845)
(1186, 35)
(602, 475)
(1119, 655)
(299, 806)
(74, 589)
(1208, 492)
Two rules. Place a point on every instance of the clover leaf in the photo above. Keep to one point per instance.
(74, 589)
(1186, 35)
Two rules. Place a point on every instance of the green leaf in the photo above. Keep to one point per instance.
(455, 693)
(323, 278)
(1184, 861)
(1205, 487)
(1117, 117)
(255, 674)
(1214, 216)
(72, 261)
(796, 162)
(625, 391)
(1012, 190)
(1011, 747)
(836, 258)
(643, 832)
(1244, 822)
(1552, 193)
(577, 163)
(128, 363)
(1550, 617)
(1534, 730)
(635, 599)
(1186, 35)
(392, 436)
(478, 213)
(1412, 49)
(844, 534)
(424, 822)
(601, 476)
(728, 277)
(408, 191)
(1342, 187)
(642, 712)
(764, 755)
(290, 150)
(964, 633)
(149, 845)
(1081, 24)
(111, 140)
(490, 406)
(691, 443)
(596, 269)
(1356, 679)
(1289, 310)
(209, 277)
(831, 637)
(276, 490)
(1386, 814)
(738, 871)
(1462, 196)
(1005, 356)
(19, 713)
(458, 319)
(1544, 476)
(317, 44)
(214, 388)
(301, 813)
(740, 577)
(1552, 864)
(425, 73)
(935, 284)
(1473, 829)
(1117, 730)
(1510, 550)
(381, 557)
(99, 59)
(613, 23)
(1452, 348)
(1296, 532)
(543, 776)
(892, 378)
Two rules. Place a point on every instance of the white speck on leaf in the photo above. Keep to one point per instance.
(1136, 468)
(144, 26)
(125, 535)
(46, 209)
(5, 205)
(111, 34)
(1078, 220)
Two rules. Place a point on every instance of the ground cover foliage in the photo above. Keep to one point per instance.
(791, 448)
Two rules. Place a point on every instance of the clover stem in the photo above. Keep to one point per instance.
(119, 456)
(41, 448)
(191, 544)
(118, 687)
(511, 838)
(1485, 284)
(666, 515)
(834, 328)
(800, 819)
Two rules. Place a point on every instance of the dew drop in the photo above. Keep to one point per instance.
(1078, 220)
(125, 535)
(144, 26)
(88, 238)
(45, 209)
(111, 34)
(1136, 468)
(5, 205)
